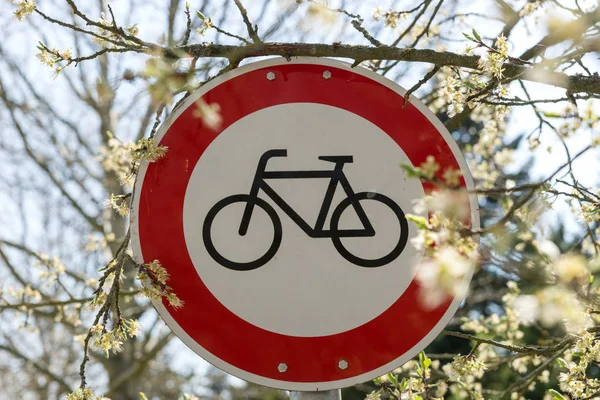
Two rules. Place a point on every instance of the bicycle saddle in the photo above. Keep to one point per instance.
(337, 159)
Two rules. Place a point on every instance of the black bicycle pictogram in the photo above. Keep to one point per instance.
(336, 175)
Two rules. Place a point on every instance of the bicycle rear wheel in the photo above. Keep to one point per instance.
(365, 262)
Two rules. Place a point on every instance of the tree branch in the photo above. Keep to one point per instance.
(575, 83)
(56, 303)
(541, 350)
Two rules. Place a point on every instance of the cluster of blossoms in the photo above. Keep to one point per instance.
(53, 57)
(112, 341)
(206, 24)
(464, 367)
(154, 277)
(148, 149)
(453, 91)
(118, 203)
(587, 212)
(24, 293)
(430, 170)
(24, 8)
(101, 294)
(50, 268)
(558, 304)
(84, 394)
(571, 269)
(99, 242)
(489, 138)
(589, 115)
(107, 37)
(415, 384)
(530, 7)
(440, 218)
(210, 114)
(555, 303)
(460, 92)
(450, 256)
(506, 327)
(533, 142)
(165, 79)
(115, 158)
(69, 315)
(492, 61)
(318, 14)
(124, 159)
(100, 297)
(441, 277)
(390, 18)
(574, 381)
(581, 119)
(488, 154)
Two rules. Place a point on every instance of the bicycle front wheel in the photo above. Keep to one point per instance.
(245, 265)
(361, 261)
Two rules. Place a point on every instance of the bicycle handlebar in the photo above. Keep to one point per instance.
(262, 163)
(274, 153)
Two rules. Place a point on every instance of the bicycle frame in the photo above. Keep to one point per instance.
(336, 175)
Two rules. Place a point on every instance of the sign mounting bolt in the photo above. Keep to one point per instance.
(326, 74)
(282, 367)
(271, 76)
(343, 364)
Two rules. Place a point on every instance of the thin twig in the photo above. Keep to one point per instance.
(252, 31)
(426, 78)
(188, 26)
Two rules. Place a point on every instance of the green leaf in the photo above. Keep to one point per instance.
(393, 379)
(550, 114)
(562, 362)
(470, 85)
(468, 36)
(419, 221)
(403, 384)
(427, 362)
(143, 396)
(200, 15)
(476, 35)
(412, 172)
(556, 395)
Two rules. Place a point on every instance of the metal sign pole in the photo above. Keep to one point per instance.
(323, 395)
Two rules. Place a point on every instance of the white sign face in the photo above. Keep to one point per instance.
(307, 288)
(284, 231)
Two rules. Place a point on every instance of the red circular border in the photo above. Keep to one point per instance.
(207, 321)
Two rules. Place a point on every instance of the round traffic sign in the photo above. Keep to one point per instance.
(283, 228)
